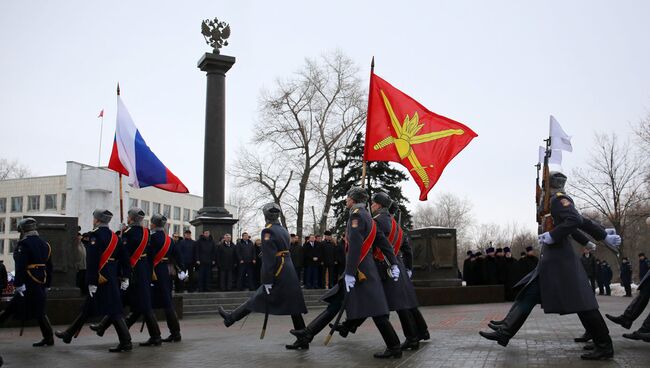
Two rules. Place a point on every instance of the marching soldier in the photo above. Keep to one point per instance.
(32, 258)
(105, 260)
(558, 282)
(361, 281)
(163, 248)
(400, 295)
(280, 292)
(135, 239)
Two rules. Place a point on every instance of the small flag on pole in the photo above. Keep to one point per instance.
(559, 139)
(101, 114)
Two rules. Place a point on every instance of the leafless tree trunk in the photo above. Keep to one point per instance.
(613, 183)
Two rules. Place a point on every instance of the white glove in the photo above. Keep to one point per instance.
(21, 290)
(610, 231)
(124, 284)
(394, 270)
(410, 273)
(267, 288)
(349, 282)
(92, 289)
(613, 240)
(182, 275)
(545, 239)
(591, 246)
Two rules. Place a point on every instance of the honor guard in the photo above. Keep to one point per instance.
(360, 291)
(163, 248)
(280, 292)
(106, 260)
(32, 258)
(559, 282)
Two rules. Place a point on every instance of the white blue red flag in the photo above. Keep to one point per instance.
(132, 157)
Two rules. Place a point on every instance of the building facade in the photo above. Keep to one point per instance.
(78, 193)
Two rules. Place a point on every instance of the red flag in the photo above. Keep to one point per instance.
(101, 114)
(401, 130)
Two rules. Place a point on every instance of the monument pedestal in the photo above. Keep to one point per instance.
(217, 225)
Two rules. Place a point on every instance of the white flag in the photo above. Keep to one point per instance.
(555, 159)
(559, 139)
(542, 154)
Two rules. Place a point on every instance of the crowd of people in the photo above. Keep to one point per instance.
(498, 267)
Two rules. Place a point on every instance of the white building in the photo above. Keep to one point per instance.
(78, 193)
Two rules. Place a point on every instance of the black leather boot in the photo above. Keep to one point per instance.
(595, 325)
(315, 326)
(420, 324)
(101, 327)
(389, 335)
(173, 325)
(153, 329)
(586, 337)
(123, 334)
(603, 349)
(238, 313)
(512, 323)
(46, 331)
(632, 312)
(412, 341)
(73, 330)
(346, 327)
(298, 324)
(643, 333)
(132, 318)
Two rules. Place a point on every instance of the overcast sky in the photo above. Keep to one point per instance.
(500, 67)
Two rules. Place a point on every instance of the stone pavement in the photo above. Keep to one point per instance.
(545, 340)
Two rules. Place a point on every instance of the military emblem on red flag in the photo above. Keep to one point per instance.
(399, 129)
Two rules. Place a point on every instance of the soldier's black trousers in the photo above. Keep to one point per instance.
(16, 307)
(636, 307)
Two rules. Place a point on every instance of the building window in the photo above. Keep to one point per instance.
(50, 202)
(63, 198)
(177, 213)
(133, 203)
(145, 206)
(13, 223)
(34, 203)
(167, 209)
(156, 208)
(177, 230)
(186, 214)
(3, 226)
(3, 205)
(2, 246)
(12, 245)
(195, 214)
(16, 204)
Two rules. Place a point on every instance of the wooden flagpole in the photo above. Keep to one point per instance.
(364, 169)
(121, 191)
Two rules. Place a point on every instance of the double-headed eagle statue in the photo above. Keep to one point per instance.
(215, 33)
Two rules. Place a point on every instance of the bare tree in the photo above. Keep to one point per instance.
(447, 210)
(308, 118)
(13, 169)
(269, 180)
(613, 184)
(643, 132)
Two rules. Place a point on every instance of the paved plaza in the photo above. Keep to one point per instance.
(545, 340)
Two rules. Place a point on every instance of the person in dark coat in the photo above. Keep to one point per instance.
(590, 266)
(258, 264)
(626, 276)
(607, 277)
(205, 253)
(186, 249)
(4, 280)
(478, 271)
(467, 269)
(136, 240)
(558, 283)
(501, 266)
(32, 259)
(164, 250)
(280, 293)
(313, 258)
(297, 256)
(490, 268)
(634, 310)
(600, 278)
(245, 251)
(339, 256)
(362, 283)
(107, 271)
(511, 274)
(527, 263)
(329, 260)
(644, 265)
(226, 263)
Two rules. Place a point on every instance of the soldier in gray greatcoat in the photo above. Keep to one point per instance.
(558, 282)
(280, 292)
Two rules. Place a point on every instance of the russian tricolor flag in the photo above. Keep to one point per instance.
(131, 156)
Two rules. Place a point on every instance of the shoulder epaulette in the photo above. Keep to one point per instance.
(268, 226)
(559, 194)
(356, 210)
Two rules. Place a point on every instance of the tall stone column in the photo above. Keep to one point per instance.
(214, 216)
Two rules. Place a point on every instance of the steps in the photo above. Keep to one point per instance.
(201, 304)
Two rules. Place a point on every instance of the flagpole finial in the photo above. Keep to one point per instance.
(372, 65)
(118, 88)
